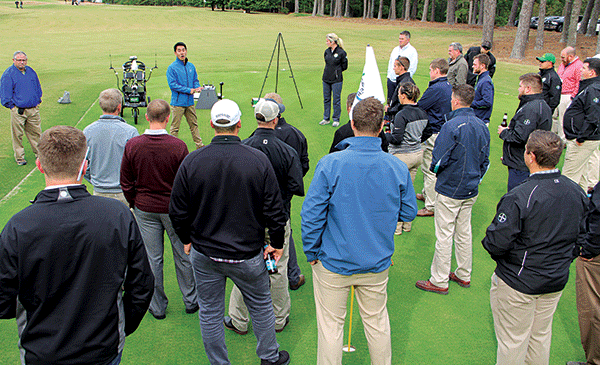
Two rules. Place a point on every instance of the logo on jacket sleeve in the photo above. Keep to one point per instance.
(501, 217)
(265, 141)
(527, 122)
(595, 100)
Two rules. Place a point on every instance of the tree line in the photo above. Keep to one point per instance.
(486, 13)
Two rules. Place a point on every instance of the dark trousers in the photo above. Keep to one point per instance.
(515, 177)
(293, 268)
(391, 87)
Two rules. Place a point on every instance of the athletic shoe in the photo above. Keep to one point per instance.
(301, 281)
(335, 123)
(427, 286)
(228, 322)
(323, 122)
(284, 359)
(421, 197)
(21, 162)
(576, 363)
(464, 284)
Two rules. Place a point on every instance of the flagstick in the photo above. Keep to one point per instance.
(350, 348)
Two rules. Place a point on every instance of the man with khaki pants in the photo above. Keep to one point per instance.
(460, 160)
(183, 82)
(581, 128)
(349, 210)
(20, 91)
(532, 238)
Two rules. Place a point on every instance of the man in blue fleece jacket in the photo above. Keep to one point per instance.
(348, 221)
(460, 159)
(183, 82)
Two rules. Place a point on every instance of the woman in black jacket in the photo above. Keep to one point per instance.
(407, 132)
(335, 63)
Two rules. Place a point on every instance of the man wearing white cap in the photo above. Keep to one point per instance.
(288, 170)
(223, 198)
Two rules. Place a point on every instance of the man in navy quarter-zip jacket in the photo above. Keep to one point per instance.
(532, 239)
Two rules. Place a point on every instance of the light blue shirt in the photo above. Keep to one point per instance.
(354, 202)
(106, 139)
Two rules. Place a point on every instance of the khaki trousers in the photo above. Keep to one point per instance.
(557, 120)
(119, 196)
(429, 178)
(279, 291)
(523, 324)
(577, 162)
(588, 307)
(331, 295)
(452, 223)
(412, 161)
(192, 120)
(29, 123)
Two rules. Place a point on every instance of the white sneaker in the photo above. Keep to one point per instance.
(335, 124)
(323, 122)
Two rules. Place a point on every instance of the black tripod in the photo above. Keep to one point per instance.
(278, 43)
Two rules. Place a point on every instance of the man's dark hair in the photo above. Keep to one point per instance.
(367, 115)
(405, 33)
(533, 80)
(158, 110)
(593, 64)
(404, 62)
(409, 89)
(350, 100)
(464, 93)
(546, 146)
(441, 64)
(61, 151)
(483, 59)
(179, 44)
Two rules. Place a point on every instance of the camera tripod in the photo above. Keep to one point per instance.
(278, 43)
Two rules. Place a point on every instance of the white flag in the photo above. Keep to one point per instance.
(370, 83)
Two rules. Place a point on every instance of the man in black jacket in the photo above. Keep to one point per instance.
(532, 238)
(401, 66)
(287, 168)
(346, 131)
(582, 128)
(296, 139)
(75, 290)
(533, 113)
(587, 281)
(552, 84)
(223, 198)
(485, 48)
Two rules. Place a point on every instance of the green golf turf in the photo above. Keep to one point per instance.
(71, 48)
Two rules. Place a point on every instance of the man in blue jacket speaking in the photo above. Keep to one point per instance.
(460, 159)
(183, 82)
(348, 221)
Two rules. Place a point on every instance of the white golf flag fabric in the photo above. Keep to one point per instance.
(370, 84)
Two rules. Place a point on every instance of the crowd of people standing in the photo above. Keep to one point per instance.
(226, 207)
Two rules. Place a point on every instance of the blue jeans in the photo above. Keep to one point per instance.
(515, 177)
(153, 227)
(328, 90)
(251, 277)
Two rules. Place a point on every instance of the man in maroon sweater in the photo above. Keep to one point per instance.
(148, 169)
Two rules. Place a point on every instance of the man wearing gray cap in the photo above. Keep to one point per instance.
(288, 170)
(223, 198)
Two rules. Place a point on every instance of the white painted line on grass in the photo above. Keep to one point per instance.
(16, 189)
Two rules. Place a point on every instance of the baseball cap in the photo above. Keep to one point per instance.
(547, 57)
(226, 111)
(267, 108)
(487, 45)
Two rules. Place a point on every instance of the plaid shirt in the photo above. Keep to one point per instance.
(570, 76)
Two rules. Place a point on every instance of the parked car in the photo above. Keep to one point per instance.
(557, 22)
(590, 24)
(533, 23)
